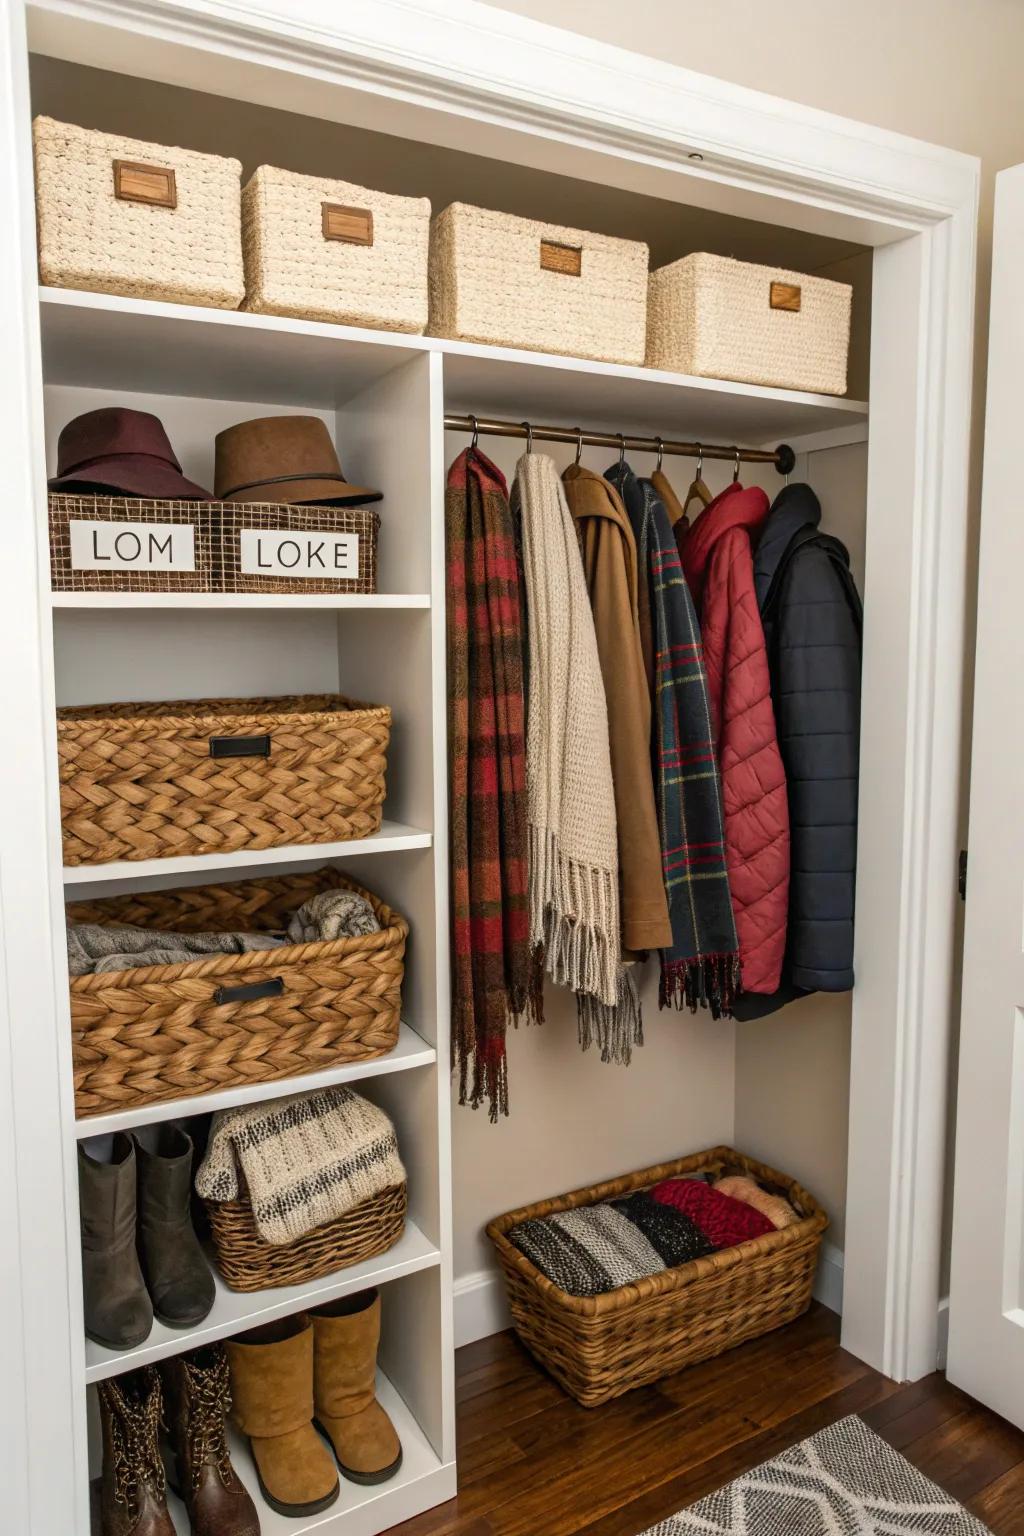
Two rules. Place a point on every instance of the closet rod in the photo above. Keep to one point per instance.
(782, 457)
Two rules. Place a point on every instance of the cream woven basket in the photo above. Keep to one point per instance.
(118, 215)
(329, 250)
(514, 282)
(725, 319)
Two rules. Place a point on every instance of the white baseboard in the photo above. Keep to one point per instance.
(942, 1341)
(828, 1282)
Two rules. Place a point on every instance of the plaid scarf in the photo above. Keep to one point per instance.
(491, 969)
(703, 964)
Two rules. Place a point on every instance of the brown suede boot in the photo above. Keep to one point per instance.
(272, 1388)
(132, 1493)
(178, 1278)
(118, 1312)
(346, 1334)
(197, 1397)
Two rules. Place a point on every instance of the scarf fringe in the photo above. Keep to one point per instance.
(708, 981)
(578, 908)
(616, 1028)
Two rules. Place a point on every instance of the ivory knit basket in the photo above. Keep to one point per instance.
(330, 250)
(725, 319)
(118, 215)
(513, 282)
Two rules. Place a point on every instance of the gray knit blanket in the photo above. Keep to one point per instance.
(302, 1160)
(340, 914)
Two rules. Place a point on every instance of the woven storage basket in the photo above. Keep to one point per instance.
(154, 781)
(515, 283)
(598, 1347)
(164, 1031)
(118, 215)
(140, 541)
(259, 544)
(725, 319)
(329, 250)
(247, 1263)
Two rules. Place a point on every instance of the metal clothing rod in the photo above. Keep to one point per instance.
(782, 457)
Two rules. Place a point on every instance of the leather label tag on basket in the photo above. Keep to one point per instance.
(785, 296)
(137, 183)
(98, 546)
(567, 259)
(352, 225)
(302, 556)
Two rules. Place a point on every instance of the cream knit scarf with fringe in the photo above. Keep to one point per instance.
(573, 849)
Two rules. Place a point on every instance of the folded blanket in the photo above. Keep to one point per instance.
(588, 1251)
(332, 915)
(723, 1220)
(778, 1210)
(302, 1160)
(676, 1237)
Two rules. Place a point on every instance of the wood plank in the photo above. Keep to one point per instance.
(967, 1452)
(1001, 1504)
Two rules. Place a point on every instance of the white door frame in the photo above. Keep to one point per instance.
(460, 73)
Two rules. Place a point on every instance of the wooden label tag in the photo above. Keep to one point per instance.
(352, 225)
(567, 259)
(153, 184)
(785, 296)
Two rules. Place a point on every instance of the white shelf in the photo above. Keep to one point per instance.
(392, 837)
(410, 1052)
(233, 1312)
(243, 601)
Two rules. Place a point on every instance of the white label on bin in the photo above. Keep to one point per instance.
(132, 546)
(283, 552)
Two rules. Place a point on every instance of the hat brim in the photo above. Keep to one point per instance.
(132, 475)
(321, 493)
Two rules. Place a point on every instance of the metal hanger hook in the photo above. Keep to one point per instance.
(529, 435)
(579, 444)
(661, 452)
(736, 471)
(700, 461)
(622, 450)
(476, 433)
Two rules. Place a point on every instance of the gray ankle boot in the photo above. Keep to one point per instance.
(117, 1310)
(177, 1274)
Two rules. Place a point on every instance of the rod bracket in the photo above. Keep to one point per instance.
(785, 459)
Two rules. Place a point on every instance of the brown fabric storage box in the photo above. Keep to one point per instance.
(154, 781)
(264, 547)
(117, 215)
(169, 1031)
(247, 1263)
(598, 1347)
(513, 282)
(127, 544)
(725, 319)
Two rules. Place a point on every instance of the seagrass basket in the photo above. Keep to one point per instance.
(164, 1032)
(247, 1263)
(598, 1347)
(152, 781)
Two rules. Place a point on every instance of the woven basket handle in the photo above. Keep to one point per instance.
(250, 992)
(240, 746)
(135, 181)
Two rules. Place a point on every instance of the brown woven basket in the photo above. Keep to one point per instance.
(359, 527)
(151, 781)
(247, 1263)
(598, 1347)
(165, 1031)
(68, 574)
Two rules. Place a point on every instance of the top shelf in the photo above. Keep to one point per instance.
(104, 342)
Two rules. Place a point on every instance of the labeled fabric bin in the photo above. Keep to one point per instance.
(725, 319)
(512, 282)
(162, 1032)
(263, 547)
(600, 1346)
(127, 544)
(153, 781)
(117, 215)
(330, 250)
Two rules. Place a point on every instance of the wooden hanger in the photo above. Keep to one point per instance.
(699, 491)
(666, 492)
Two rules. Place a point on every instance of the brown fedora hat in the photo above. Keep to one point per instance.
(115, 451)
(284, 459)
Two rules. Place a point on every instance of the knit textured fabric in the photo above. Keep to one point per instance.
(676, 1237)
(777, 1209)
(723, 1220)
(564, 1260)
(587, 1251)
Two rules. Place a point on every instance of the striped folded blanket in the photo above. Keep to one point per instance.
(675, 1235)
(589, 1251)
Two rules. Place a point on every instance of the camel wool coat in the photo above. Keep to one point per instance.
(609, 562)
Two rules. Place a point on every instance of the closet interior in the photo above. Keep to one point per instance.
(399, 408)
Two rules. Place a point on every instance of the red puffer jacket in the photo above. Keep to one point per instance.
(719, 568)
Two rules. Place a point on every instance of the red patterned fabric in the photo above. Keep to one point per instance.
(723, 1220)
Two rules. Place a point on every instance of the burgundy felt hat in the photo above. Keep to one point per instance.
(115, 451)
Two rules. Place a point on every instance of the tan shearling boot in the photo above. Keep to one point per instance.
(346, 1334)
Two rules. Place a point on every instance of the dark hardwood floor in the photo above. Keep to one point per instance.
(533, 1463)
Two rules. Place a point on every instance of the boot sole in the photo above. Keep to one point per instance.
(119, 1345)
(296, 1511)
(179, 1324)
(364, 1479)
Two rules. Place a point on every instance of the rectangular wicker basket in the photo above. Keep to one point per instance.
(155, 781)
(258, 543)
(162, 1032)
(330, 250)
(127, 544)
(117, 215)
(725, 319)
(513, 282)
(598, 1347)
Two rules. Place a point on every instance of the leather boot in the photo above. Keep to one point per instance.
(197, 1398)
(346, 1335)
(118, 1313)
(272, 1392)
(179, 1279)
(132, 1493)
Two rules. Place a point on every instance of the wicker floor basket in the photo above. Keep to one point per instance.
(151, 781)
(166, 1031)
(598, 1347)
(247, 1263)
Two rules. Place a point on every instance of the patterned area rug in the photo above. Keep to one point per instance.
(843, 1481)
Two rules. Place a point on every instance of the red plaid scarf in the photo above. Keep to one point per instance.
(491, 966)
